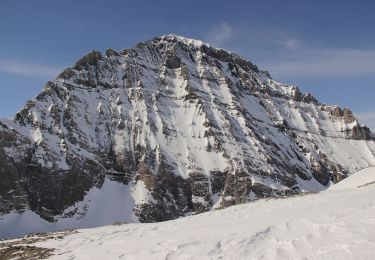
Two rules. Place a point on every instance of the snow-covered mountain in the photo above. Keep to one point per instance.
(169, 128)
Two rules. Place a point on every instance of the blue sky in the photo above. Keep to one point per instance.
(325, 47)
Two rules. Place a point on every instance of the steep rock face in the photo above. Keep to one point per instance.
(186, 126)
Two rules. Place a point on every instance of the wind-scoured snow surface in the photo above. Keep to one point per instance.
(334, 224)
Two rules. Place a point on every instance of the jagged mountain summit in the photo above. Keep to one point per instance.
(168, 128)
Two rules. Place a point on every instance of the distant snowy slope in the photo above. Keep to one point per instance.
(337, 224)
(112, 203)
(361, 178)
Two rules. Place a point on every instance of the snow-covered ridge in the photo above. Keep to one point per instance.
(186, 126)
(189, 41)
(362, 178)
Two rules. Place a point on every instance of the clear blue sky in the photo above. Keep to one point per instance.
(324, 47)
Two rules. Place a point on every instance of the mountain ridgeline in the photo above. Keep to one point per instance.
(184, 126)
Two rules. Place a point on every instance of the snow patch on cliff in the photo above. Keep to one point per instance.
(111, 203)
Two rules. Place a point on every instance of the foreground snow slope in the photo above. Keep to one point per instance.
(334, 224)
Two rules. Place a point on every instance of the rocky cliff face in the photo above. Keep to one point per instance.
(186, 126)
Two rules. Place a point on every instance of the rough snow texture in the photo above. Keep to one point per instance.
(185, 126)
(334, 224)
